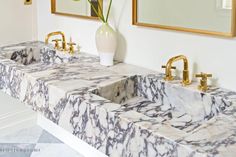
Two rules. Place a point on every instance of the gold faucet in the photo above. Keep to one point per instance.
(57, 33)
(56, 43)
(169, 66)
(203, 82)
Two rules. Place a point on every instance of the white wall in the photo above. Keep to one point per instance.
(17, 22)
(147, 47)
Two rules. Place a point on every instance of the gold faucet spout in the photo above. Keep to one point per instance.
(57, 33)
(169, 77)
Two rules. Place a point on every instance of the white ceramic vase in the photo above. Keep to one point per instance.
(106, 41)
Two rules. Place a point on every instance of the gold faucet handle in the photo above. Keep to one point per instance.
(203, 82)
(56, 43)
(203, 75)
(71, 44)
(164, 67)
(168, 77)
(71, 47)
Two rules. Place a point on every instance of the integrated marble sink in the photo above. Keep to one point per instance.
(35, 52)
(165, 103)
(22, 54)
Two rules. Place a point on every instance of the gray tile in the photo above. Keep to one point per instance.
(29, 135)
(36, 142)
(55, 150)
(16, 150)
(48, 138)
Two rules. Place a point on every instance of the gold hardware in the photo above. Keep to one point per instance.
(71, 47)
(170, 78)
(164, 67)
(56, 43)
(28, 2)
(169, 66)
(57, 33)
(203, 82)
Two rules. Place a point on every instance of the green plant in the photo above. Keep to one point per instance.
(98, 11)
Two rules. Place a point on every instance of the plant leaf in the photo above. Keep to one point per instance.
(108, 11)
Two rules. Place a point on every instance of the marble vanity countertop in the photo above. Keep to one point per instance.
(68, 95)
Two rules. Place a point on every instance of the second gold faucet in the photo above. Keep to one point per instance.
(168, 67)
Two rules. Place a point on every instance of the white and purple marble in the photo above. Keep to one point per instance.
(123, 110)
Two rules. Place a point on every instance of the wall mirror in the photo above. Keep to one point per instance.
(215, 17)
(81, 9)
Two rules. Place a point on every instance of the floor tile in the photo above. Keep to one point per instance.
(16, 150)
(35, 142)
(57, 150)
(48, 138)
(30, 135)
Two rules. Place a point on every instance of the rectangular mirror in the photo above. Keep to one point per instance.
(215, 17)
(81, 9)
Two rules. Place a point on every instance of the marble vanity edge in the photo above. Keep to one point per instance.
(17, 69)
(28, 75)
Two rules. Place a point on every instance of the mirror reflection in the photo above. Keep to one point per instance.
(206, 16)
(80, 8)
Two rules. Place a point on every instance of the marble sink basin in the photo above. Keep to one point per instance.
(164, 103)
(35, 52)
(22, 54)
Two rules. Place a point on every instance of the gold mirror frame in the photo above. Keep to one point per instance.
(54, 11)
(199, 31)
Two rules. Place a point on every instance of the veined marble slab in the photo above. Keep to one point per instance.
(122, 110)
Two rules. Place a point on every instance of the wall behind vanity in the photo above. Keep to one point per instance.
(18, 21)
(147, 47)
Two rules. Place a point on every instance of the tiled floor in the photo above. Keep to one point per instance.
(34, 142)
